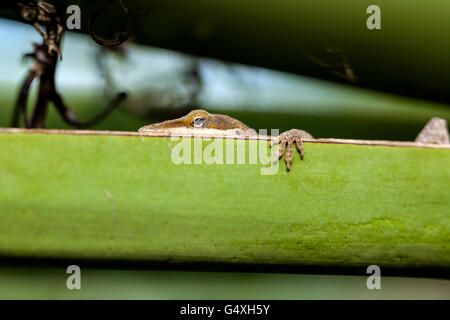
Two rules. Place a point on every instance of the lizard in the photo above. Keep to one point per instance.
(435, 131)
(202, 119)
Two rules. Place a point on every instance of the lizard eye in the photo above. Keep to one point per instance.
(198, 122)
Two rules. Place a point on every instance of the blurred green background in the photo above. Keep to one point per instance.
(50, 283)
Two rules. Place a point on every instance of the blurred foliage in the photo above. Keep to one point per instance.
(50, 283)
(396, 120)
(409, 55)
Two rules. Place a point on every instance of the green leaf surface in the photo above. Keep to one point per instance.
(106, 197)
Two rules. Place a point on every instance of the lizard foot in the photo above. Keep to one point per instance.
(287, 139)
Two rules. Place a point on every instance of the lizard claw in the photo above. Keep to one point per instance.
(286, 140)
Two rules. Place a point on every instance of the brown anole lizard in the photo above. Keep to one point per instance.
(436, 131)
(201, 119)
